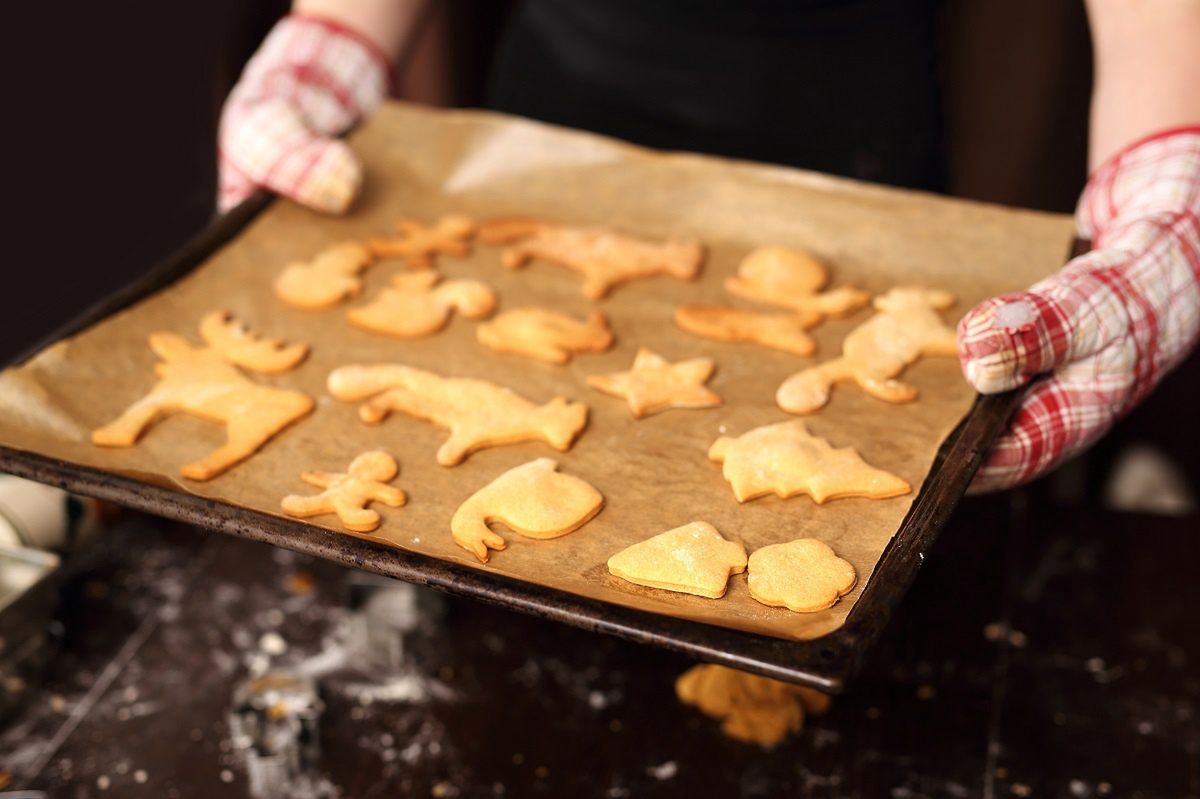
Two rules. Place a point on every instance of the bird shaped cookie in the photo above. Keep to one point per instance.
(330, 277)
(545, 335)
(792, 279)
(420, 303)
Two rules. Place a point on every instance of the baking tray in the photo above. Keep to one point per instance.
(827, 663)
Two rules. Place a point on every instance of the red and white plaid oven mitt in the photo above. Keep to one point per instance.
(1109, 325)
(309, 82)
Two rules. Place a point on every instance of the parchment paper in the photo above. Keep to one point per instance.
(654, 473)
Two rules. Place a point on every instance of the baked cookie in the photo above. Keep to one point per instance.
(326, 280)
(477, 413)
(419, 245)
(792, 279)
(906, 327)
(533, 499)
(348, 494)
(204, 382)
(780, 331)
(605, 259)
(692, 559)
(545, 335)
(751, 708)
(419, 303)
(802, 575)
(785, 459)
(655, 384)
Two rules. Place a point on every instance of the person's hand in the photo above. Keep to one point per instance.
(1109, 325)
(311, 79)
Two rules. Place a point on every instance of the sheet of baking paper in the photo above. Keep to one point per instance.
(654, 473)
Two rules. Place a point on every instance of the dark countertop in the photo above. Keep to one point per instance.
(1039, 654)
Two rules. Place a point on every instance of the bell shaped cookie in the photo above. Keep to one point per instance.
(804, 575)
(692, 559)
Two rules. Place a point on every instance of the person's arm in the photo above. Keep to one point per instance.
(1110, 324)
(322, 68)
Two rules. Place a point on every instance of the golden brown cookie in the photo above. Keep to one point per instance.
(604, 258)
(533, 499)
(780, 331)
(348, 494)
(477, 413)
(655, 384)
(418, 245)
(692, 559)
(202, 382)
(326, 280)
(418, 304)
(906, 328)
(545, 335)
(792, 279)
(785, 459)
(751, 708)
(802, 575)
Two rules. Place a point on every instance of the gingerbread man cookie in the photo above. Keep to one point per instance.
(802, 575)
(418, 245)
(477, 413)
(326, 280)
(785, 459)
(751, 708)
(906, 328)
(533, 499)
(204, 382)
(655, 384)
(692, 559)
(545, 335)
(418, 304)
(348, 494)
(605, 259)
(792, 279)
(780, 331)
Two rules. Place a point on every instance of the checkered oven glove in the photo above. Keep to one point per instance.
(308, 83)
(1109, 325)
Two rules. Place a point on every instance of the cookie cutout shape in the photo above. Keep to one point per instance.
(751, 708)
(605, 259)
(204, 382)
(532, 499)
(802, 575)
(692, 559)
(477, 413)
(326, 280)
(545, 335)
(655, 384)
(785, 459)
(418, 304)
(906, 328)
(780, 331)
(418, 245)
(792, 279)
(348, 494)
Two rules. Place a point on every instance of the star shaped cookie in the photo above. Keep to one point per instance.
(655, 384)
(348, 494)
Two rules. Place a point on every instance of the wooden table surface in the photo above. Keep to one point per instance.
(1049, 653)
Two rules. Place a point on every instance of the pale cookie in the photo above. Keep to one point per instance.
(655, 384)
(326, 280)
(780, 331)
(348, 494)
(418, 245)
(802, 575)
(477, 413)
(545, 335)
(692, 559)
(532, 499)
(418, 304)
(202, 382)
(751, 708)
(792, 279)
(605, 259)
(785, 459)
(905, 328)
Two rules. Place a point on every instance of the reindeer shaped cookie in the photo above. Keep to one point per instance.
(905, 328)
(205, 382)
(477, 413)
